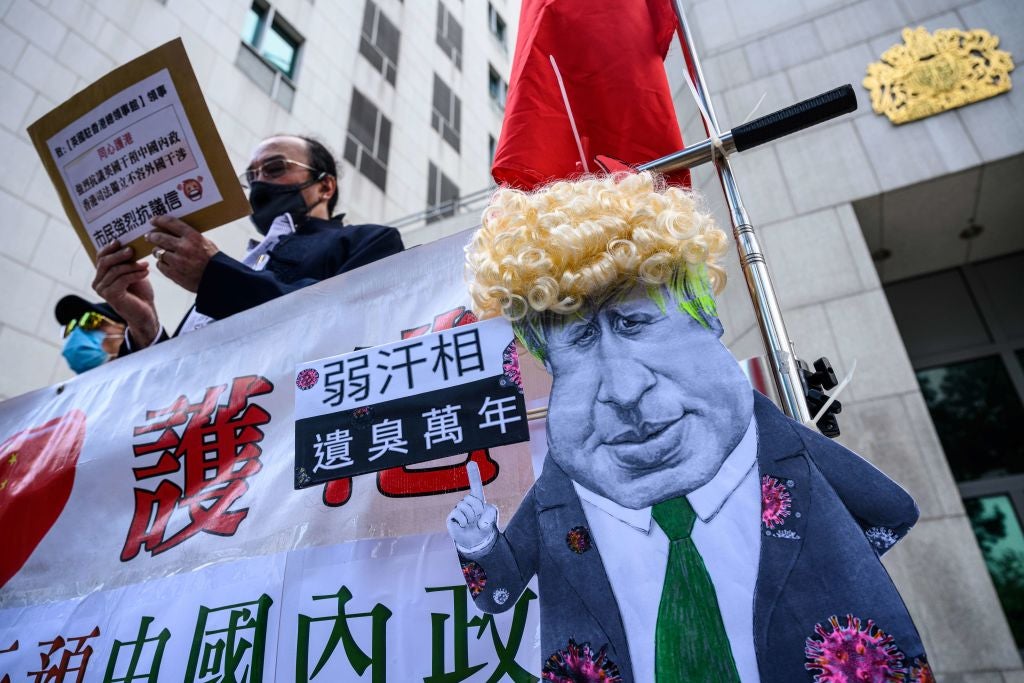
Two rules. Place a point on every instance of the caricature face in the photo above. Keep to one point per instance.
(644, 405)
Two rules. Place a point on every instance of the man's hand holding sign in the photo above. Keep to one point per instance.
(181, 253)
(124, 283)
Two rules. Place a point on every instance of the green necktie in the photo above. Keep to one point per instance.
(690, 641)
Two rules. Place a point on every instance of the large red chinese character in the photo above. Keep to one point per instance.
(218, 448)
(400, 482)
(54, 670)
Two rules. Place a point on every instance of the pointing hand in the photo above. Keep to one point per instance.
(473, 524)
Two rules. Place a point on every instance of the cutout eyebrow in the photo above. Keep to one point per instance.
(626, 306)
(565, 325)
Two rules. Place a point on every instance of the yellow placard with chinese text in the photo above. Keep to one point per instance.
(138, 143)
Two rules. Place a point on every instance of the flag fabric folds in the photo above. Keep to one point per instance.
(610, 55)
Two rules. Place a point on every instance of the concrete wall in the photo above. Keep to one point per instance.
(50, 49)
(799, 192)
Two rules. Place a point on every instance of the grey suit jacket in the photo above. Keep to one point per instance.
(822, 561)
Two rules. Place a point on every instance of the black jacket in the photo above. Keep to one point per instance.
(318, 250)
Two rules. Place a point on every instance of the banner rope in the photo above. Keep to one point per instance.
(835, 394)
(714, 135)
(568, 110)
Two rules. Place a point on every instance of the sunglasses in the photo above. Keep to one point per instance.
(270, 170)
(90, 320)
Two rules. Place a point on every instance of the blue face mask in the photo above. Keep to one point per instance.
(83, 349)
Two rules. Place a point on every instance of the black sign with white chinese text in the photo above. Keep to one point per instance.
(456, 419)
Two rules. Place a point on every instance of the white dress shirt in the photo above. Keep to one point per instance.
(727, 533)
(259, 255)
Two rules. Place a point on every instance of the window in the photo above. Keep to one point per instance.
(379, 42)
(270, 52)
(497, 26)
(272, 38)
(964, 331)
(497, 87)
(998, 530)
(254, 22)
(977, 414)
(446, 116)
(492, 147)
(449, 34)
(280, 49)
(442, 195)
(368, 140)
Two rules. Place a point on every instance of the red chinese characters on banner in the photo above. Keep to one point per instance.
(37, 471)
(402, 482)
(215, 445)
(6, 678)
(63, 656)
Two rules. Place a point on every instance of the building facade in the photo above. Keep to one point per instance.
(895, 246)
(408, 95)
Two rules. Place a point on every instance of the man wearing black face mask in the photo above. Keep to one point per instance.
(293, 192)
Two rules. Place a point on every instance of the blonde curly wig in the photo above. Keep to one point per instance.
(545, 254)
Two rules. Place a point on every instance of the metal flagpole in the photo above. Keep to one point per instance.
(785, 370)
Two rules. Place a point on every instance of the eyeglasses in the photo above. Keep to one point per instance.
(269, 170)
(90, 320)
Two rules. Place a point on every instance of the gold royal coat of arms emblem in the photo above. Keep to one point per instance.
(932, 73)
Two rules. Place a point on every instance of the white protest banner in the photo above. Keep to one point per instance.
(156, 493)
(419, 399)
(136, 144)
(375, 610)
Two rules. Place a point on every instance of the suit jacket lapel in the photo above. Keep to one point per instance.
(558, 512)
(785, 487)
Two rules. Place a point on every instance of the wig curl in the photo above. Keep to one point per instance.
(553, 250)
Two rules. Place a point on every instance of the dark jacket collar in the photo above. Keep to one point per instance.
(311, 225)
(776, 434)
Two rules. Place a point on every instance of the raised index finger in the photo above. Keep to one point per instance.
(476, 484)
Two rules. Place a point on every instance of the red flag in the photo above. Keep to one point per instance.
(37, 471)
(610, 55)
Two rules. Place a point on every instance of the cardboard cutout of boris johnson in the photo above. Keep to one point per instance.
(682, 529)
